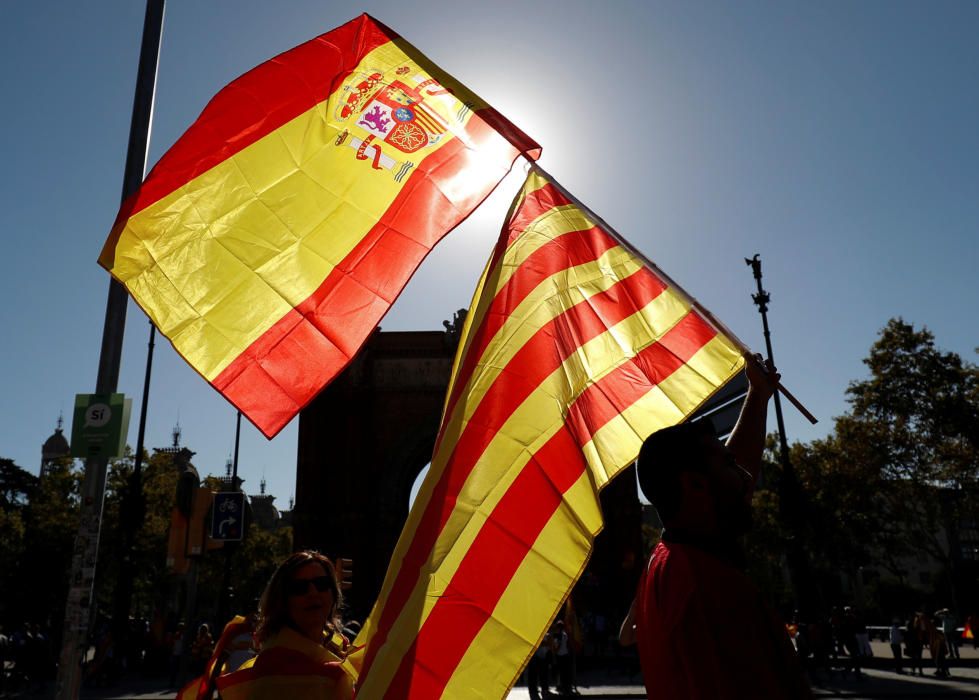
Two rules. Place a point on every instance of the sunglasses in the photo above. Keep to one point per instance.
(299, 586)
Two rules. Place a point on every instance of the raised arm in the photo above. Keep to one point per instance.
(747, 440)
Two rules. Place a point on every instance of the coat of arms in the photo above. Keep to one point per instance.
(393, 118)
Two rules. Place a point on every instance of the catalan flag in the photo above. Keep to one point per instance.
(575, 349)
(202, 688)
(271, 238)
(290, 666)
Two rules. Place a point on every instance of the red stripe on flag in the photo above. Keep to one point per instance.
(606, 399)
(571, 249)
(304, 349)
(281, 661)
(489, 565)
(534, 205)
(259, 102)
(544, 352)
(429, 123)
(528, 505)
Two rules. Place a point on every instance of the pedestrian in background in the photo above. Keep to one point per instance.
(914, 642)
(949, 628)
(4, 647)
(935, 639)
(176, 643)
(201, 649)
(538, 669)
(562, 650)
(896, 638)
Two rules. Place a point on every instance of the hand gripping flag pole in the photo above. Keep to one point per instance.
(574, 350)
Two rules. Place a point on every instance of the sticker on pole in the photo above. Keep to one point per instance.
(100, 425)
(228, 516)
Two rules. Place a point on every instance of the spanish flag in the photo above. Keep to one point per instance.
(575, 349)
(272, 237)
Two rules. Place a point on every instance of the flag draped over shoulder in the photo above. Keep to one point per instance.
(290, 666)
(202, 688)
(271, 238)
(574, 350)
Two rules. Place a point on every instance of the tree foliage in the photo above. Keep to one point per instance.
(916, 422)
(897, 473)
(49, 522)
(16, 485)
(39, 521)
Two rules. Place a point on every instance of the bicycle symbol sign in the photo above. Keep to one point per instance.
(227, 516)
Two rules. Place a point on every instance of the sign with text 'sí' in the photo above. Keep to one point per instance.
(99, 425)
(228, 516)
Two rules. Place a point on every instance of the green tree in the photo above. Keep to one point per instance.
(158, 484)
(894, 477)
(916, 422)
(50, 524)
(16, 487)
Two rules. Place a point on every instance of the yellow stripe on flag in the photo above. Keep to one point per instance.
(538, 588)
(272, 237)
(268, 225)
(575, 353)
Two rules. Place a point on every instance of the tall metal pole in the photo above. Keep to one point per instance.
(791, 503)
(229, 547)
(85, 553)
(761, 300)
(132, 515)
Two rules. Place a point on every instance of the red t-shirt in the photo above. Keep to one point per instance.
(704, 632)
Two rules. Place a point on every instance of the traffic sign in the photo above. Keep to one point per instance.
(228, 516)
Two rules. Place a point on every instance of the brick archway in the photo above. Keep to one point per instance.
(362, 442)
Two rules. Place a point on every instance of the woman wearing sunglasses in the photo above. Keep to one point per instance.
(303, 651)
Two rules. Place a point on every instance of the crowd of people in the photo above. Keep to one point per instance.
(26, 658)
(938, 635)
(296, 645)
(841, 642)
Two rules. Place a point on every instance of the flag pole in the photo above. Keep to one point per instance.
(85, 553)
(708, 316)
(132, 514)
(224, 601)
(792, 502)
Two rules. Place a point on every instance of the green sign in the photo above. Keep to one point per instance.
(100, 425)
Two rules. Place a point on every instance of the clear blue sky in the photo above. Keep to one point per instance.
(839, 140)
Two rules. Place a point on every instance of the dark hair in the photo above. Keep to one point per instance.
(664, 455)
(272, 610)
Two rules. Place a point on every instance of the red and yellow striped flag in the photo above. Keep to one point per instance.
(575, 349)
(276, 232)
(290, 667)
(202, 688)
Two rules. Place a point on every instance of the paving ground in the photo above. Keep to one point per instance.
(878, 681)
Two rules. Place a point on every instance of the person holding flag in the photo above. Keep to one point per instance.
(303, 651)
(702, 491)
